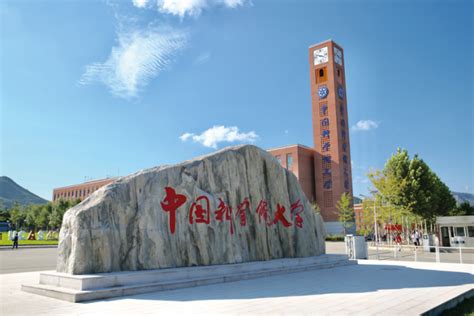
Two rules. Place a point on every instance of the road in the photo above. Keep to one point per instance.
(27, 259)
(40, 259)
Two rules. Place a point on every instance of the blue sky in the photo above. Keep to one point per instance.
(100, 88)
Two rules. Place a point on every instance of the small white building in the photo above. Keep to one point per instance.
(456, 231)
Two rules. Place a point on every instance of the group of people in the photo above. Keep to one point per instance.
(415, 239)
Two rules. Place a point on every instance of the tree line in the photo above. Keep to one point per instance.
(37, 216)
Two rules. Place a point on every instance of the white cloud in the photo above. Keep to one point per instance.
(185, 136)
(218, 134)
(140, 3)
(139, 56)
(193, 7)
(365, 125)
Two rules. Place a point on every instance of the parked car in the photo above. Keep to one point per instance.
(4, 227)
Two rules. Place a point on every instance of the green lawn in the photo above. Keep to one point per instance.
(5, 242)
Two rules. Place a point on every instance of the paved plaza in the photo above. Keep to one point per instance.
(372, 287)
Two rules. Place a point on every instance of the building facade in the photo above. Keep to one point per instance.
(324, 171)
(80, 191)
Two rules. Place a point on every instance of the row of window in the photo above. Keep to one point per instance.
(461, 232)
(83, 193)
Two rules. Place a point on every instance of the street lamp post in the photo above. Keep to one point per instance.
(374, 192)
(376, 232)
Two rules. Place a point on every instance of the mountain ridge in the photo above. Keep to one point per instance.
(11, 192)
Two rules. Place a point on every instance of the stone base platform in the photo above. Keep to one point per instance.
(79, 288)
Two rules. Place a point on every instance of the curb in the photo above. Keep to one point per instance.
(27, 247)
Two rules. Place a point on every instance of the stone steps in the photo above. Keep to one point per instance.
(78, 288)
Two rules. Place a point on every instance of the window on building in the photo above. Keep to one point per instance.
(338, 72)
(460, 231)
(289, 161)
(321, 75)
(278, 158)
(470, 231)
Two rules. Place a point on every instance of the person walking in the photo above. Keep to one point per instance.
(398, 241)
(15, 241)
(417, 237)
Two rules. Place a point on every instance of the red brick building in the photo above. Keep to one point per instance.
(324, 171)
(80, 191)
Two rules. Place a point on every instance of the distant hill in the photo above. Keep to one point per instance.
(11, 192)
(463, 197)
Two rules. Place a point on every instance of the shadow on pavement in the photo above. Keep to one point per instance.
(349, 279)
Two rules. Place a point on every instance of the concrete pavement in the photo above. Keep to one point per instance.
(370, 288)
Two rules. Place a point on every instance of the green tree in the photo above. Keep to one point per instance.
(316, 208)
(42, 216)
(32, 211)
(58, 209)
(345, 211)
(17, 216)
(446, 202)
(462, 210)
(4, 215)
(409, 187)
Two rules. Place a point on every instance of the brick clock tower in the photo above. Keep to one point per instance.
(324, 172)
(332, 161)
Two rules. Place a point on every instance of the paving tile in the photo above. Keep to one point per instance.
(388, 288)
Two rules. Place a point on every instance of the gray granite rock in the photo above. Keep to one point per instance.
(124, 225)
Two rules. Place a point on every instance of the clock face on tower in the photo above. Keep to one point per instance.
(338, 56)
(340, 92)
(320, 56)
(323, 92)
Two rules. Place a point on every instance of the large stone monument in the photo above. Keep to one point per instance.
(233, 206)
(232, 215)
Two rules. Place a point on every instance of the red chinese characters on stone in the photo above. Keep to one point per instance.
(201, 209)
(241, 211)
(224, 212)
(262, 211)
(296, 209)
(280, 216)
(171, 203)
